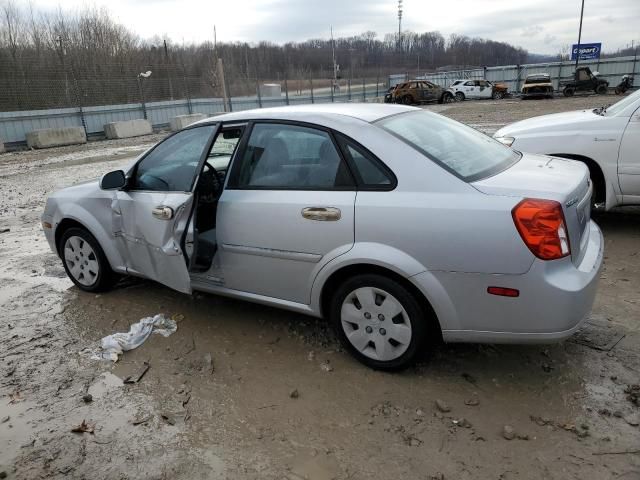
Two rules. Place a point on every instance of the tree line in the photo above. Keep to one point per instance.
(86, 58)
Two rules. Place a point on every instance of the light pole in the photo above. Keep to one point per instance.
(399, 25)
(146, 74)
(579, 35)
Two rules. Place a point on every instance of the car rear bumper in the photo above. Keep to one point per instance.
(555, 298)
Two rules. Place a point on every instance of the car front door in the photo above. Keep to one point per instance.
(287, 208)
(152, 213)
(629, 160)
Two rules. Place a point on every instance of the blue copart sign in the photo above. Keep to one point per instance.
(588, 51)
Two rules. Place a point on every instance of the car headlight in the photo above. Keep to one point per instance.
(508, 141)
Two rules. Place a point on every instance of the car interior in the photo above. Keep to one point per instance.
(208, 191)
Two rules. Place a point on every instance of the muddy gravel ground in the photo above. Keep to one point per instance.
(242, 391)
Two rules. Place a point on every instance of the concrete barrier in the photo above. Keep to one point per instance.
(128, 128)
(1, 146)
(181, 121)
(56, 137)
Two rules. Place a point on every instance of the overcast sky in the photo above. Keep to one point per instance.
(540, 26)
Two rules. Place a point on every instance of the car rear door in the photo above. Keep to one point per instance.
(287, 208)
(151, 215)
(484, 89)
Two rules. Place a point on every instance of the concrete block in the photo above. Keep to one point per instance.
(128, 128)
(56, 137)
(1, 146)
(181, 121)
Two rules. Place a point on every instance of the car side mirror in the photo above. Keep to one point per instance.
(113, 180)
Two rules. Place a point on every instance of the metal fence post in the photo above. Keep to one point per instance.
(258, 92)
(286, 91)
(186, 90)
(349, 89)
(364, 89)
(332, 87)
(144, 106)
(378, 85)
(311, 85)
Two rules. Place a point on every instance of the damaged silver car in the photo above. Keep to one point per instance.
(399, 225)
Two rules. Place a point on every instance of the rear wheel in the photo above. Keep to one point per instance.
(407, 100)
(448, 98)
(601, 89)
(379, 321)
(568, 91)
(459, 96)
(84, 261)
(498, 95)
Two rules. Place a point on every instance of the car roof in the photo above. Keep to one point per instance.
(318, 113)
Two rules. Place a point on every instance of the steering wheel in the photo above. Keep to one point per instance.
(210, 183)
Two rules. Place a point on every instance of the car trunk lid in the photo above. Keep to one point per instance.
(551, 178)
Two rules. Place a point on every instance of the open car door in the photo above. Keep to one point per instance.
(152, 213)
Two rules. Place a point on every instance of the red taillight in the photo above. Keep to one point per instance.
(542, 227)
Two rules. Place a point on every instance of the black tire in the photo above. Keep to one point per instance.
(602, 89)
(568, 92)
(447, 97)
(618, 91)
(105, 278)
(407, 100)
(417, 317)
(498, 95)
(459, 97)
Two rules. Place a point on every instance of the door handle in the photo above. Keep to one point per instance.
(321, 214)
(162, 212)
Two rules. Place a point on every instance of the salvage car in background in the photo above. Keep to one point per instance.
(537, 85)
(477, 89)
(417, 92)
(399, 225)
(606, 139)
(584, 80)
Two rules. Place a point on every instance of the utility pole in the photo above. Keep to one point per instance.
(166, 62)
(335, 69)
(579, 35)
(399, 25)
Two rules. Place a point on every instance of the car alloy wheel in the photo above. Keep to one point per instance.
(381, 321)
(84, 261)
(459, 96)
(376, 324)
(568, 92)
(498, 95)
(81, 260)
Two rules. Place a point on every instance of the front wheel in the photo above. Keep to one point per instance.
(407, 100)
(84, 261)
(448, 98)
(379, 321)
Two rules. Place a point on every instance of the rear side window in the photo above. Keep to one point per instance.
(282, 156)
(370, 172)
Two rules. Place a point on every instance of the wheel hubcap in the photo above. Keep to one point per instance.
(81, 260)
(376, 323)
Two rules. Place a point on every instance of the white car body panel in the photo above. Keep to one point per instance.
(612, 141)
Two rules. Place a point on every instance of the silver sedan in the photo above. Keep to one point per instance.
(398, 225)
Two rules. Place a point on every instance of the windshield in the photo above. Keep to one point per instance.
(618, 107)
(463, 151)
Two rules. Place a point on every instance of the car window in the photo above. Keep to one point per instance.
(457, 82)
(369, 169)
(291, 157)
(470, 84)
(171, 166)
(583, 75)
(462, 150)
(223, 147)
